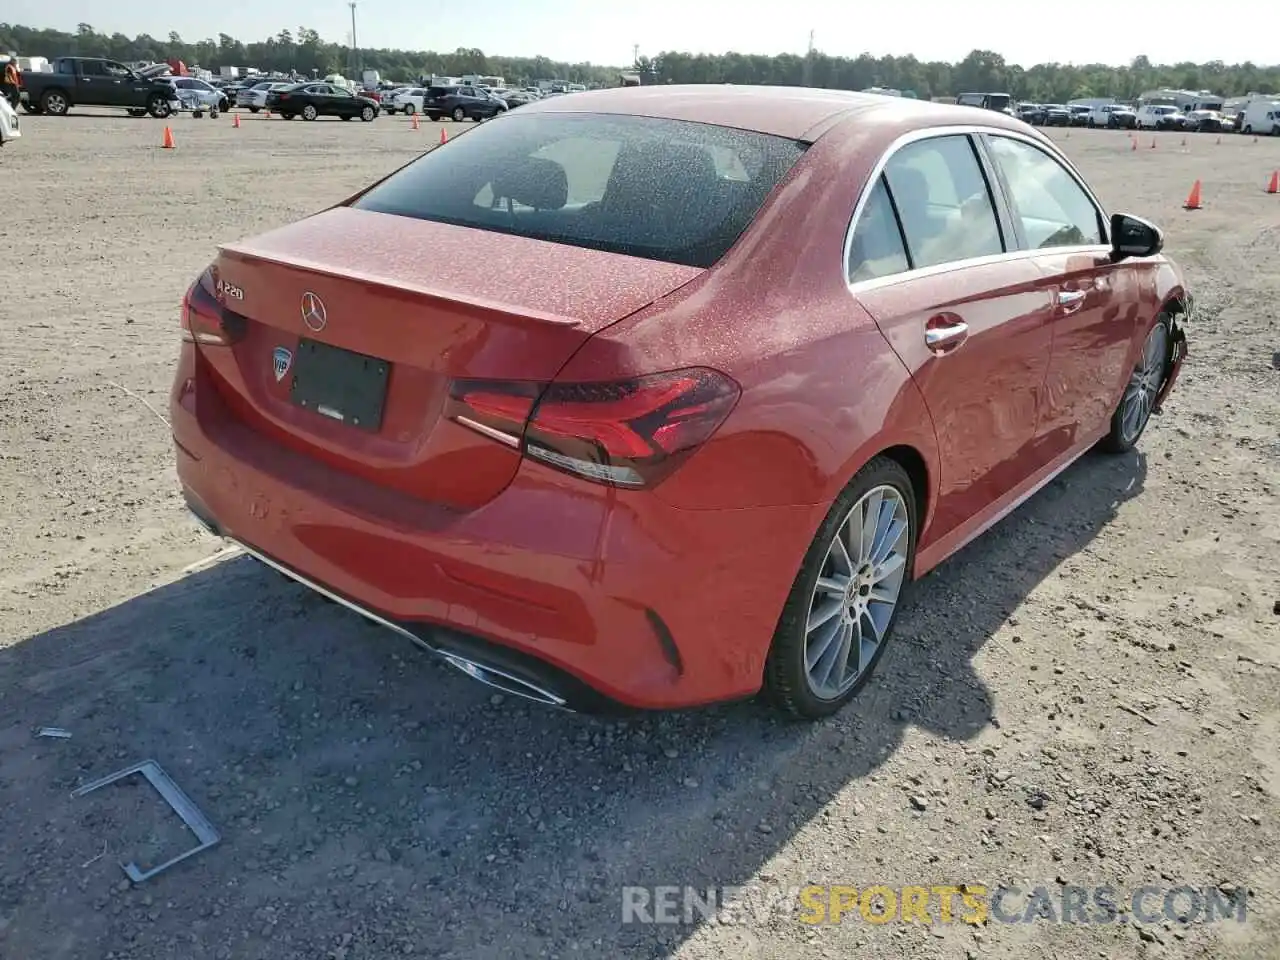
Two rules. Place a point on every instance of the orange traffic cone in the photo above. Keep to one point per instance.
(266, 114)
(1133, 144)
(1193, 198)
(444, 135)
(1274, 185)
(235, 122)
(168, 143)
(415, 123)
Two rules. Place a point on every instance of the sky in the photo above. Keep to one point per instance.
(604, 31)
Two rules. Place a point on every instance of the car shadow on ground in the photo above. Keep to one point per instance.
(365, 791)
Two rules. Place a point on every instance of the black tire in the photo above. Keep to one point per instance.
(55, 103)
(1120, 440)
(433, 117)
(224, 105)
(134, 112)
(158, 107)
(254, 109)
(459, 114)
(367, 114)
(409, 109)
(309, 112)
(786, 683)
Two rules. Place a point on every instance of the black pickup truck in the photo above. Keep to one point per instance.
(95, 82)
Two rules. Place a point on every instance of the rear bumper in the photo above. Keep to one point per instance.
(591, 596)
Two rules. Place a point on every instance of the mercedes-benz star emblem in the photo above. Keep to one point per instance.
(313, 314)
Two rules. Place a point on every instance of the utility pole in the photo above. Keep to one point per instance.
(808, 63)
(635, 54)
(355, 45)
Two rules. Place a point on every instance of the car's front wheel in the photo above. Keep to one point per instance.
(367, 114)
(837, 621)
(1138, 400)
(410, 109)
(459, 114)
(309, 112)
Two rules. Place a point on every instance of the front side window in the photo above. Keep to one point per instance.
(1051, 206)
(943, 201)
(669, 190)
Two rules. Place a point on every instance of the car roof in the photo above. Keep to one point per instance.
(798, 113)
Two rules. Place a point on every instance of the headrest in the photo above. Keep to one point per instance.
(533, 182)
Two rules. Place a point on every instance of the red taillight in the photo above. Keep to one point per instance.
(205, 319)
(628, 433)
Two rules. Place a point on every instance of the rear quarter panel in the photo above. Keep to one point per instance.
(822, 392)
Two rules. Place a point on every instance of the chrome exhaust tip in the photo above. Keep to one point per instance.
(500, 680)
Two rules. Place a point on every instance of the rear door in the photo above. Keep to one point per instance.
(972, 325)
(1095, 302)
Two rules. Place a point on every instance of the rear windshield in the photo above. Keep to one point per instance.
(668, 190)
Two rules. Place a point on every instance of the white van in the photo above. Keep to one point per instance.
(1261, 117)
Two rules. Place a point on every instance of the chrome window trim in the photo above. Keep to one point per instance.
(973, 131)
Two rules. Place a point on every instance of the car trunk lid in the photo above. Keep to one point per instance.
(352, 324)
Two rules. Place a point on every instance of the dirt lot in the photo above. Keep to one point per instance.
(375, 804)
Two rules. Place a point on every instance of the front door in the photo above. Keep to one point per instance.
(973, 327)
(1095, 302)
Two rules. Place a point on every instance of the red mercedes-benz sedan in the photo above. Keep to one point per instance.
(755, 358)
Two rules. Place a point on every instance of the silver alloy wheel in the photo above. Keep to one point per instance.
(857, 592)
(56, 104)
(1140, 395)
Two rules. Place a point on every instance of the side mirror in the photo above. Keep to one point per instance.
(1134, 237)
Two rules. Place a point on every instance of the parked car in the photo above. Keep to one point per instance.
(1032, 113)
(202, 93)
(563, 489)
(312, 100)
(254, 98)
(1057, 115)
(393, 101)
(1159, 116)
(408, 101)
(10, 126)
(512, 98)
(1204, 121)
(96, 82)
(1113, 116)
(1078, 115)
(461, 103)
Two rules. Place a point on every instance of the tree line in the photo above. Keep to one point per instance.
(305, 51)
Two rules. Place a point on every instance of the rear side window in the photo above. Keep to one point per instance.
(943, 201)
(669, 190)
(877, 249)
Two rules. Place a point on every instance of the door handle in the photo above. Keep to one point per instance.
(943, 333)
(1070, 298)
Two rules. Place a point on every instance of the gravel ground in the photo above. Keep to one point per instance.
(1086, 696)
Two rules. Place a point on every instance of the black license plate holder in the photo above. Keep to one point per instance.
(342, 385)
